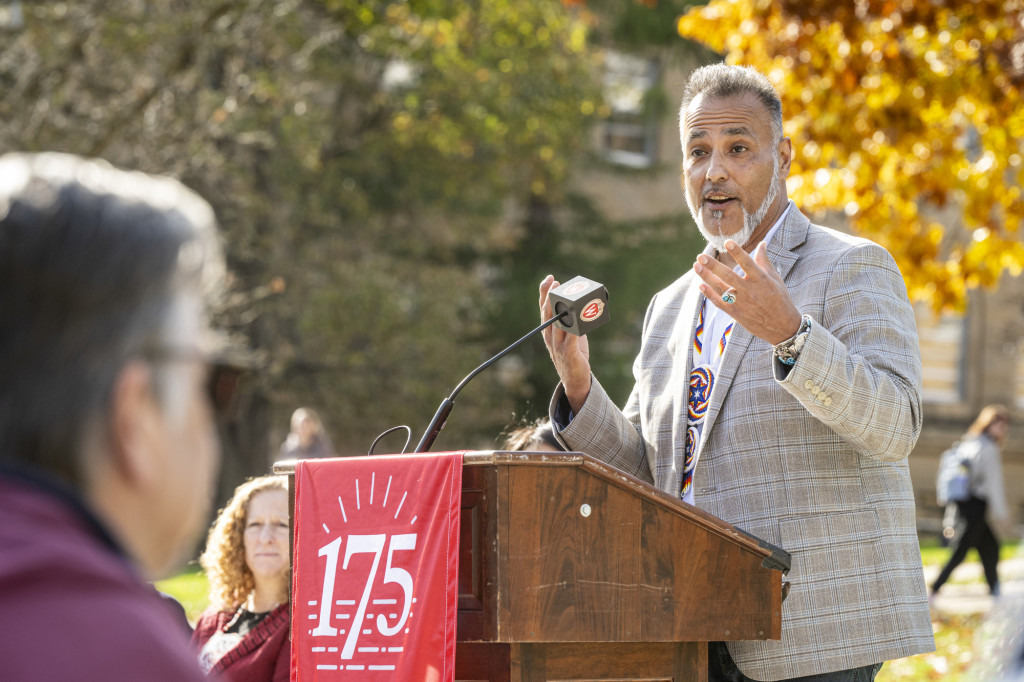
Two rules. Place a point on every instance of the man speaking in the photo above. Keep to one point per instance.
(777, 387)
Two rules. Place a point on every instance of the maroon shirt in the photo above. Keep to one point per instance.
(263, 655)
(72, 606)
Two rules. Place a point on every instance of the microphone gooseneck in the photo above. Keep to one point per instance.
(445, 408)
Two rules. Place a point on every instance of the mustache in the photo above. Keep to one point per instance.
(716, 190)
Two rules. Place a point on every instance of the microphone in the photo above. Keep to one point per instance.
(579, 306)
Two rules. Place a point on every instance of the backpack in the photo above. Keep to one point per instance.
(953, 482)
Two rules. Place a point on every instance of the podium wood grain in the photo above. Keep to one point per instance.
(572, 570)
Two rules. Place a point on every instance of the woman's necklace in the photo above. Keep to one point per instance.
(250, 604)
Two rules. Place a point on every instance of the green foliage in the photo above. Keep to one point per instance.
(633, 260)
(638, 24)
(391, 179)
(367, 160)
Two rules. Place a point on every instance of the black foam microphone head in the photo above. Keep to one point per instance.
(586, 303)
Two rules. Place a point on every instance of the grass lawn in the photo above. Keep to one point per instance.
(954, 647)
(934, 554)
(954, 633)
(190, 588)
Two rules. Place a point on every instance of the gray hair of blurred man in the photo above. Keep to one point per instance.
(94, 262)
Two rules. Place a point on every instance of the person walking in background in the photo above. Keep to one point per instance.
(307, 438)
(979, 453)
(243, 635)
(778, 387)
(108, 445)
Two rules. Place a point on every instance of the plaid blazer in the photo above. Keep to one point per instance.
(814, 461)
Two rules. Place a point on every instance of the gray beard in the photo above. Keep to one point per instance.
(750, 220)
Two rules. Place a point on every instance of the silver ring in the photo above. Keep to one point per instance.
(729, 296)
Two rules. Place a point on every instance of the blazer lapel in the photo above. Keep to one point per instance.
(687, 323)
(782, 247)
(669, 475)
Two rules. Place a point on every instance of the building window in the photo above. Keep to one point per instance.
(628, 135)
(941, 338)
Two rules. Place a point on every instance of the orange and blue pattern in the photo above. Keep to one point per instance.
(702, 383)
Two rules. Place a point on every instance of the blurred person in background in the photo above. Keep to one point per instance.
(307, 438)
(243, 635)
(108, 447)
(980, 451)
(535, 436)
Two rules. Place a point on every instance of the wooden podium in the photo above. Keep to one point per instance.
(571, 570)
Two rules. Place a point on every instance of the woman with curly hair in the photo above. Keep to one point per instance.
(243, 635)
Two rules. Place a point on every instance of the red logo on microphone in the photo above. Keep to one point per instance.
(592, 311)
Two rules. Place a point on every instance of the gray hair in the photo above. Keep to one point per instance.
(723, 80)
(93, 261)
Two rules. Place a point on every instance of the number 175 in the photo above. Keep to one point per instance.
(364, 544)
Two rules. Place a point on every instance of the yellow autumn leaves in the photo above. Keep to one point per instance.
(905, 119)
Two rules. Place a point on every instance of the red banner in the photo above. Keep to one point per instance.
(375, 584)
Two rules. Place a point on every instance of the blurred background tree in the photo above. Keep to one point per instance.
(906, 119)
(364, 158)
(392, 180)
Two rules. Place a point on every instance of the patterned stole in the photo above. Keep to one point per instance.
(707, 357)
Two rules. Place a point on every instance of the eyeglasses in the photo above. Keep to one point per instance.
(222, 379)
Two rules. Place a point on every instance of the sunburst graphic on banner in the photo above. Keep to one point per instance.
(384, 503)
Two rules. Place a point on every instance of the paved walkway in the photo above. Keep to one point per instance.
(967, 592)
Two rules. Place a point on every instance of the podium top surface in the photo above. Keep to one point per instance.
(774, 557)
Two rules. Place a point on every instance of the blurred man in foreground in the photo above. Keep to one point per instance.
(108, 448)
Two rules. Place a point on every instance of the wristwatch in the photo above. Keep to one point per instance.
(789, 350)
